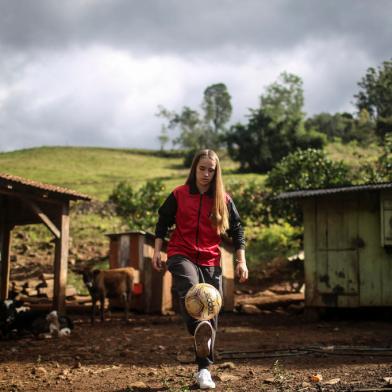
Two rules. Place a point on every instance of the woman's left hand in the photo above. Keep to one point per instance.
(241, 270)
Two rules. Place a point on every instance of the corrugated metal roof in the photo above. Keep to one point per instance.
(331, 191)
(11, 181)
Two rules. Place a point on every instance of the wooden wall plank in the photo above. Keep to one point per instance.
(311, 237)
(5, 263)
(385, 258)
(227, 277)
(61, 258)
(370, 254)
(113, 252)
(135, 253)
(124, 244)
(343, 272)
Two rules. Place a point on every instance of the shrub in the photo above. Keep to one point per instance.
(249, 200)
(266, 242)
(138, 208)
(303, 169)
(379, 171)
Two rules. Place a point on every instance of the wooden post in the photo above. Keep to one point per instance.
(61, 258)
(5, 266)
(227, 276)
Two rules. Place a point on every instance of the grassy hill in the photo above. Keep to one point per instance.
(95, 171)
(353, 154)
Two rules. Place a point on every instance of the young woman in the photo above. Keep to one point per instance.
(201, 212)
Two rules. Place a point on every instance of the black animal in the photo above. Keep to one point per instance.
(113, 283)
(8, 313)
(15, 321)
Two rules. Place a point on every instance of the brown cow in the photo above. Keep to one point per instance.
(113, 283)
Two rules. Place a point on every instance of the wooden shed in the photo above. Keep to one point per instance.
(25, 202)
(135, 249)
(348, 245)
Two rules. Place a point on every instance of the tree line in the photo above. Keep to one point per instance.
(277, 140)
(278, 126)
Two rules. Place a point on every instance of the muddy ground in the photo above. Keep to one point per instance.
(276, 350)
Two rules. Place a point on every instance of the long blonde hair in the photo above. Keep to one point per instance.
(220, 213)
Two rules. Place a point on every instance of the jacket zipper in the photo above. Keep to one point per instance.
(197, 229)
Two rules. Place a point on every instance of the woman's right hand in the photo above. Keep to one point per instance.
(156, 261)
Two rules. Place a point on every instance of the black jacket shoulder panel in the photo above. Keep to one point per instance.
(167, 216)
(235, 231)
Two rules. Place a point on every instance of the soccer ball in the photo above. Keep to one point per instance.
(203, 301)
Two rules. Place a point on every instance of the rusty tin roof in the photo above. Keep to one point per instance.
(330, 191)
(11, 182)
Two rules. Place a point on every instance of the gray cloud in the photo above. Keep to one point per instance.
(93, 72)
(183, 27)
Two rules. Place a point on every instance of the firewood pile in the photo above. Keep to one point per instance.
(39, 289)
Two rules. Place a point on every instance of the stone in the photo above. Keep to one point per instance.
(39, 371)
(227, 365)
(250, 309)
(332, 381)
(388, 380)
(224, 377)
(138, 384)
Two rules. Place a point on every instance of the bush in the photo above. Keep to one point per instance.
(303, 169)
(249, 200)
(138, 208)
(267, 242)
(379, 171)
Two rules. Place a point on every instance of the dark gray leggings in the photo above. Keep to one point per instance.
(186, 274)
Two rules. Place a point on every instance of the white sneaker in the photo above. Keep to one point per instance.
(203, 336)
(203, 378)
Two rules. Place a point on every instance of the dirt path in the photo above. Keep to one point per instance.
(151, 353)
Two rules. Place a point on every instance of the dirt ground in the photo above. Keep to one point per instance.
(280, 348)
(276, 350)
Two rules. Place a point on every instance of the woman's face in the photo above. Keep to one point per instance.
(205, 171)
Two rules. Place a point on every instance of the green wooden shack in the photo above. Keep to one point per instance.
(347, 245)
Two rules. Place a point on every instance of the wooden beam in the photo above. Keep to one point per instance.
(61, 258)
(44, 218)
(5, 265)
(32, 196)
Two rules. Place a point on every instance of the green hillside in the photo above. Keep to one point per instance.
(353, 154)
(95, 171)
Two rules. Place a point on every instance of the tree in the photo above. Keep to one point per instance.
(217, 110)
(201, 130)
(190, 126)
(284, 99)
(275, 129)
(375, 96)
(381, 170)
(343, 126)
(303, 169)
(256, 146)
(163, 137)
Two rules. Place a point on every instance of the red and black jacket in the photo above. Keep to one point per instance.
(194, 235)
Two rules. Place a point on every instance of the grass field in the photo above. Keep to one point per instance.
(95, 171)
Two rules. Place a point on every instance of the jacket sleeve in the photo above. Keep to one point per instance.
(235, 231)
(167, 216)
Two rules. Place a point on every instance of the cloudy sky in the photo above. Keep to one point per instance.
(93, 72)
